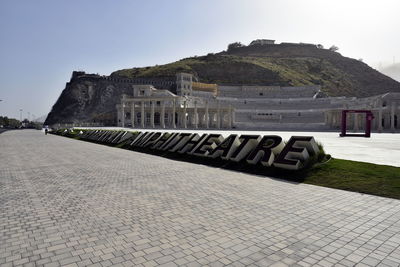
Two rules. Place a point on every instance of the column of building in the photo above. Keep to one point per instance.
(123, 114)
(173, 113)
(224, 118)
(184, 115)
(152, 104)
(133, 114)
(392, 113)
(207, 116)
(118, 115)
(230, 117)
(162, 116)
(218, 116)
(196, 125)
(142, 113)
(380, 115)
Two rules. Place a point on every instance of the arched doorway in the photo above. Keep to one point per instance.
(148, 118)
(157, 118)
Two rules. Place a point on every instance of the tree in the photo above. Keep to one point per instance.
(334, 48)
(6, 121)
(320, 46)
(235, 45)
(14, 123)
(9, 122)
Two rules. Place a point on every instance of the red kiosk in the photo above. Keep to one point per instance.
(368, 120)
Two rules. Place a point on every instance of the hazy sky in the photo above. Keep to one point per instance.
(43, 41)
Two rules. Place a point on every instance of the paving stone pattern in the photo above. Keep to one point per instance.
(65, 202)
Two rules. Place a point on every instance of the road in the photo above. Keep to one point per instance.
(65, 202)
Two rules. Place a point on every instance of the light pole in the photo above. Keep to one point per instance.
(20, 115)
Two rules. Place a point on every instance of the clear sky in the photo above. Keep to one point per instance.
(43, 41)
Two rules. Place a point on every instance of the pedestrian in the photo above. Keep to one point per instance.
(45, 131)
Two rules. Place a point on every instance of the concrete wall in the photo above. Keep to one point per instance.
(267, 91)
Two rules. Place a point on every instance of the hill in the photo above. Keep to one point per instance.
(279, 64)
(92, 98)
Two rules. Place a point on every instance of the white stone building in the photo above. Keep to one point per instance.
(200, 105)
(149, 107)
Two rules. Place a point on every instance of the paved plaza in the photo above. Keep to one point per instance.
(67, 202)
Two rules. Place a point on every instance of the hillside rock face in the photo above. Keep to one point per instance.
(87, 99)
(92, 98)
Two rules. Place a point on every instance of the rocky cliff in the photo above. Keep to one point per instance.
(92, 98)
(87, 99)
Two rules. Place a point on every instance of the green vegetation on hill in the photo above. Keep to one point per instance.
(230, 69)
(284, 65)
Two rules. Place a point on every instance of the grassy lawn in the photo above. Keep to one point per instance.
(368, 178)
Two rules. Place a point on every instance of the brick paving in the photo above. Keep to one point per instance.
(65, 202)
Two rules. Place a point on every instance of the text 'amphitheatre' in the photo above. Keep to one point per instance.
(268, 150)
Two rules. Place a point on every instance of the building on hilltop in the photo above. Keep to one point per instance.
(262, 42)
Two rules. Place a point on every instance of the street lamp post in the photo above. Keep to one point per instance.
(20, 115)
